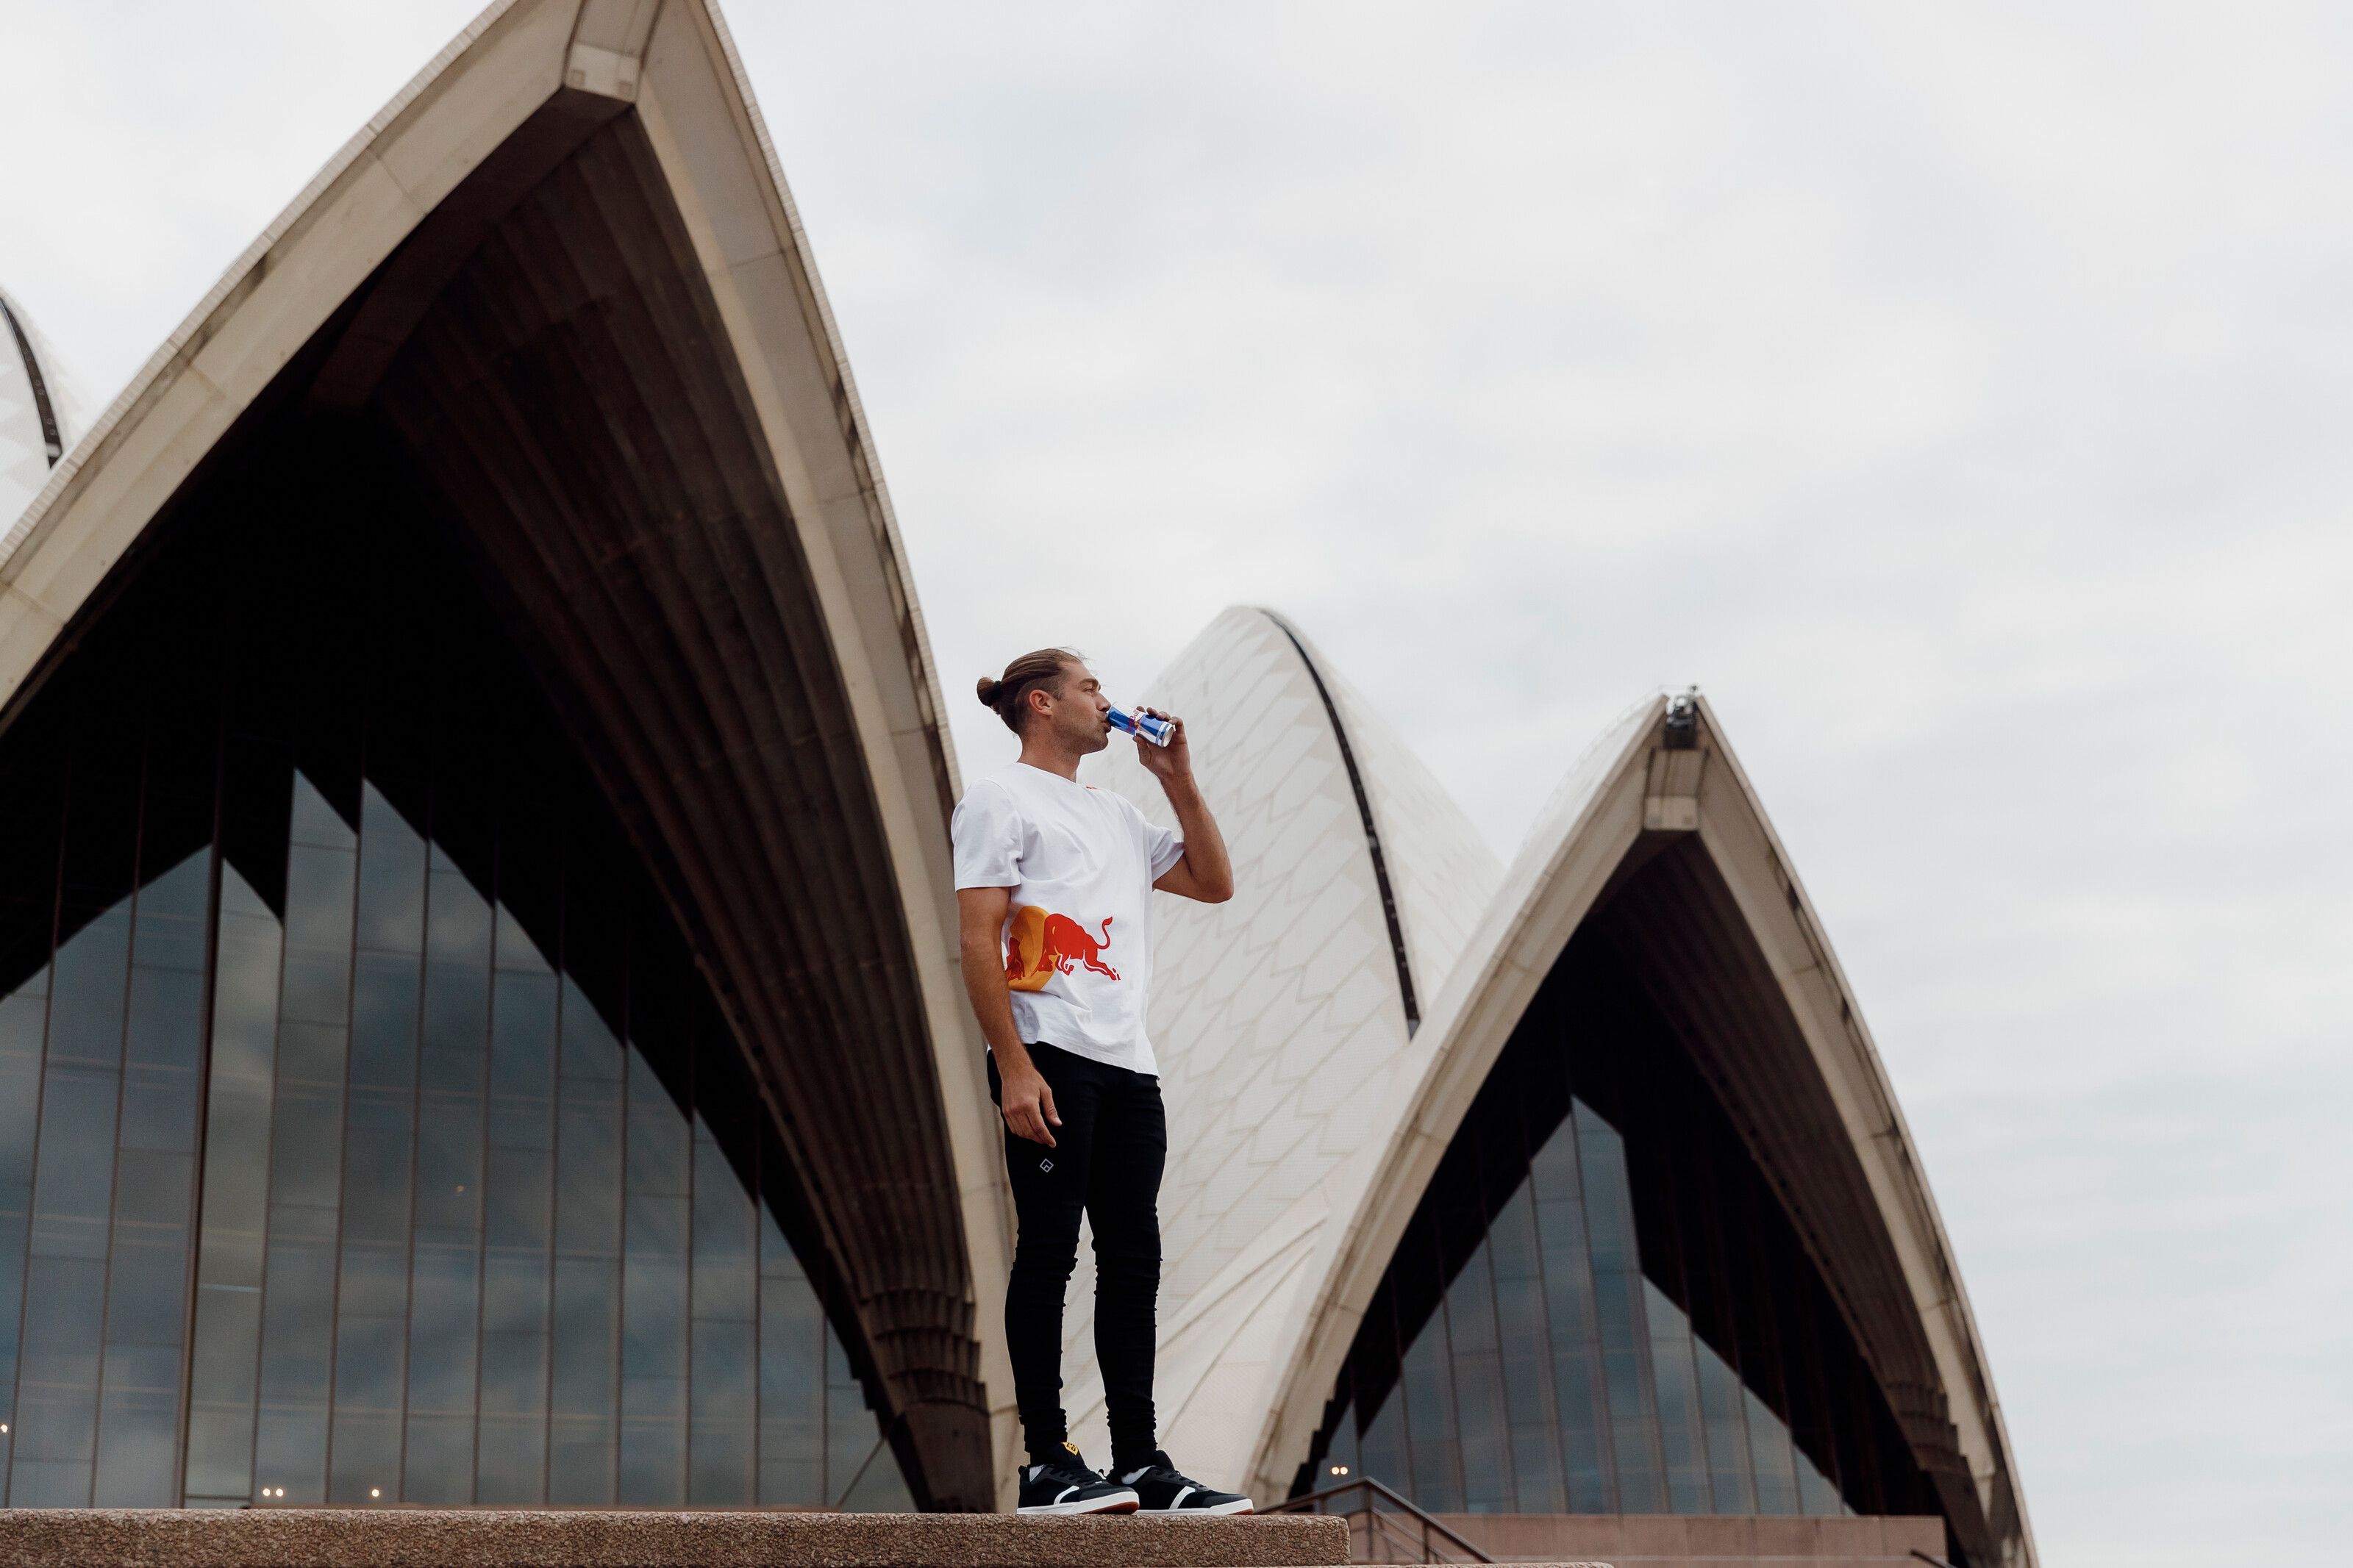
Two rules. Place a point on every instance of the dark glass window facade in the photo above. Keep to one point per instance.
(366, 1132)
(1599, 1306)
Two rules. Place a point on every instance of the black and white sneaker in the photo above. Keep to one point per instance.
(1161, 1488)
(1063, 1484)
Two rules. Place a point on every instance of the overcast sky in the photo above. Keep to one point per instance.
(1959, 395)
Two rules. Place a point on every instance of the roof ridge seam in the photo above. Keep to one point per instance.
(1372, 832)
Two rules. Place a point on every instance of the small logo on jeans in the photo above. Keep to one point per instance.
(1045, 1165)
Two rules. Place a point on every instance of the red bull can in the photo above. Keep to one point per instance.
(1143, 726)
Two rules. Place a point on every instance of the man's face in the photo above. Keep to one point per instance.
(1079, 714)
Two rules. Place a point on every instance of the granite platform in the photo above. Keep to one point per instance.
(1706, 1541)
(485, 1538)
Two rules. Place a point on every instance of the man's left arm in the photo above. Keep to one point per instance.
(1206, 873)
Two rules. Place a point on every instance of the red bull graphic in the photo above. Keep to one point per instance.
(1042, 944)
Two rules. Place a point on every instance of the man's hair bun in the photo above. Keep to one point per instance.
(1009, 695)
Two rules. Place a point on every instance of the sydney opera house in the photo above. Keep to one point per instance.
(479, 1013)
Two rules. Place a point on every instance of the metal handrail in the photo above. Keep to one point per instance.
(1375, 1493)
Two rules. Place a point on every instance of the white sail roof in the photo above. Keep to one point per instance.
(1306, 1117)
(1788, 1053)
(318, 311)
(40, 413)
(1280, 1018)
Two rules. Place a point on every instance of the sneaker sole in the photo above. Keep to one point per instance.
(1116, 1503)
(1241, 1506)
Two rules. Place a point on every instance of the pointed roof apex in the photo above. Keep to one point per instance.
(1660, 794)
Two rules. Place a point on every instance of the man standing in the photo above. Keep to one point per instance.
(1054, 883)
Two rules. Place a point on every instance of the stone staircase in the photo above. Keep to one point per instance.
(483, 1538)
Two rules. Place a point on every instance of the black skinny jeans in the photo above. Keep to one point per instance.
(1106, 1162)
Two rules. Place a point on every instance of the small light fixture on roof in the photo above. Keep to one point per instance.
(1683, 720)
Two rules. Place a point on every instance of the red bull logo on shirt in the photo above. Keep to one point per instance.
(1042, 944)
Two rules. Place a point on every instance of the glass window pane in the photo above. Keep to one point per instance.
(1477, 1365)
(1728, 1436)
(139, 1416)
(519, 1221)
(849, 1430)
(724, 1331)
(1628, 1323)
(1680, 1434)
(239, 1086)
(1427, 1388)
(24, 1018)
(1618, 1313)
(1526, 1350)
(586, 1353)
(792, 1375)
(456, 1235)
(1776, 1464)
(1382, 1448)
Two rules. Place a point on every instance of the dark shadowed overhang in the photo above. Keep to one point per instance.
(560, 279)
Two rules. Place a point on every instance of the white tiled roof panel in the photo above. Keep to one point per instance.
(1271, 1016)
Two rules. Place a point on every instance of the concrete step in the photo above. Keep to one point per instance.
(484, 1538)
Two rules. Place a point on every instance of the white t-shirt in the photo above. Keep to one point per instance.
(1078, 932)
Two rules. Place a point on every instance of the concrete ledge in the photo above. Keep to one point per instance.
(1705, 1540)
(483, 1538)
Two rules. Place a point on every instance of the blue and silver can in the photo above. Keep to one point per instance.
(1143, 726)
